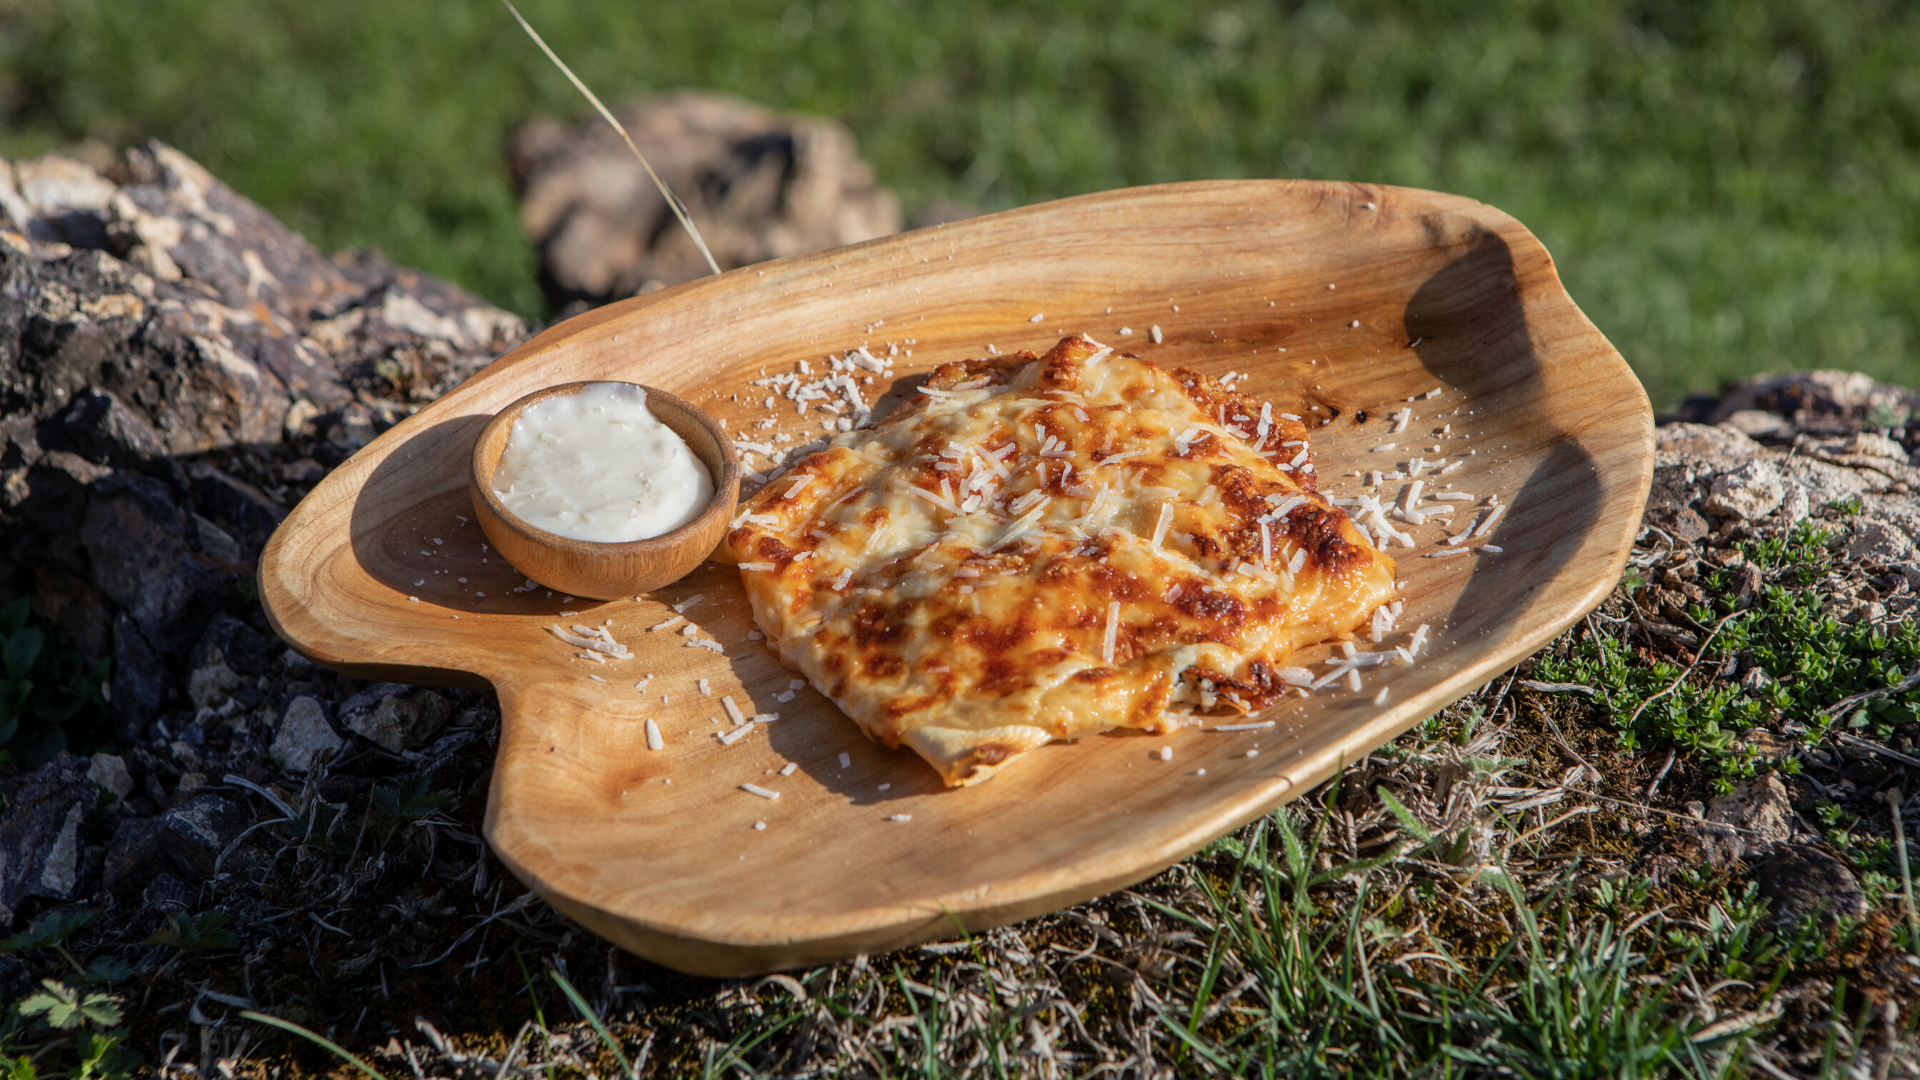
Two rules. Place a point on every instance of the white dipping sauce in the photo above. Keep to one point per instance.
(598, 465)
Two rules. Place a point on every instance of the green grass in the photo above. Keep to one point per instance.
(1728, 187)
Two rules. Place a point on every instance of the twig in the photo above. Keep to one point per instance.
(264, 793)
(1568, 747)
(518, 903)
(1900, 687)
(679, 211)
(1870, 746)
(1768, 1066)
(1545, 825)
(1665, 768)
(1558, 687)
(325, 925)
(1675, 684)
(1900, 848)
(1492, 714)
(1639, 806)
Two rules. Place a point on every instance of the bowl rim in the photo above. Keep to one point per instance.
(480, 476)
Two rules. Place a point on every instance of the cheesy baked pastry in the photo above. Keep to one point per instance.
(1039, 548)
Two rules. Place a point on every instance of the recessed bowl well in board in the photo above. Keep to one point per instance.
(1377, 295)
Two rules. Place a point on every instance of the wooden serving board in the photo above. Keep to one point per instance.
(1375, 294)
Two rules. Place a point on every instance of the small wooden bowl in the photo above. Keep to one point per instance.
(603, 571)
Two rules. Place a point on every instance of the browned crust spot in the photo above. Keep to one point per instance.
(1217, 401)
(1261, 687)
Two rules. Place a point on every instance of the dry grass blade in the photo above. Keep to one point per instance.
(593, 1018)
(679, 209)
(315, 1038)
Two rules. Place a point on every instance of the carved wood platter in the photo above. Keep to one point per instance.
(1333, 299)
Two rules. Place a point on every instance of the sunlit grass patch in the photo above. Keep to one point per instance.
(1726, 187)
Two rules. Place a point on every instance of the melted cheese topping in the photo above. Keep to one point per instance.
(1042, 548)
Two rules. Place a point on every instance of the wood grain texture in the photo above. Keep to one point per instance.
(1375, 294)
(607, 570)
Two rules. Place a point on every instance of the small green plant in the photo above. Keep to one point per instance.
(1812, 658)
(320, 824)
(66, 1008)
(83, 1028)
(189, 933)
(65, 1028)
(51, 930)
(44, 683)
(395, 808)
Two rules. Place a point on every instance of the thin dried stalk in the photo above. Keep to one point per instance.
(679, 210)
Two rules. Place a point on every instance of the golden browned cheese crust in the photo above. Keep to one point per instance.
(1039, 548)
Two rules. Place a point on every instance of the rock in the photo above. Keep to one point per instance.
(1808, 396)
(244, 511)
(78, 611)
(1799, 881)
(1756, 424)
(1672, 498)
(49, 198)
(1878, 462)
(1797, 506)
(1879, 542)
(396, 717)
(232, 643)
(760, 185)
(152, 558)
(1825, 483)
(194, 833)
(1872, 444)
(110, 772)
(1748, 822)
(134, 854)
(1720, 446)
(151, 312)
(209, 686)
(99, 427)
(1759, 811)
(304, 735)
(40, 839)
(1748, 491)
(169, 893)
(140, 681)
